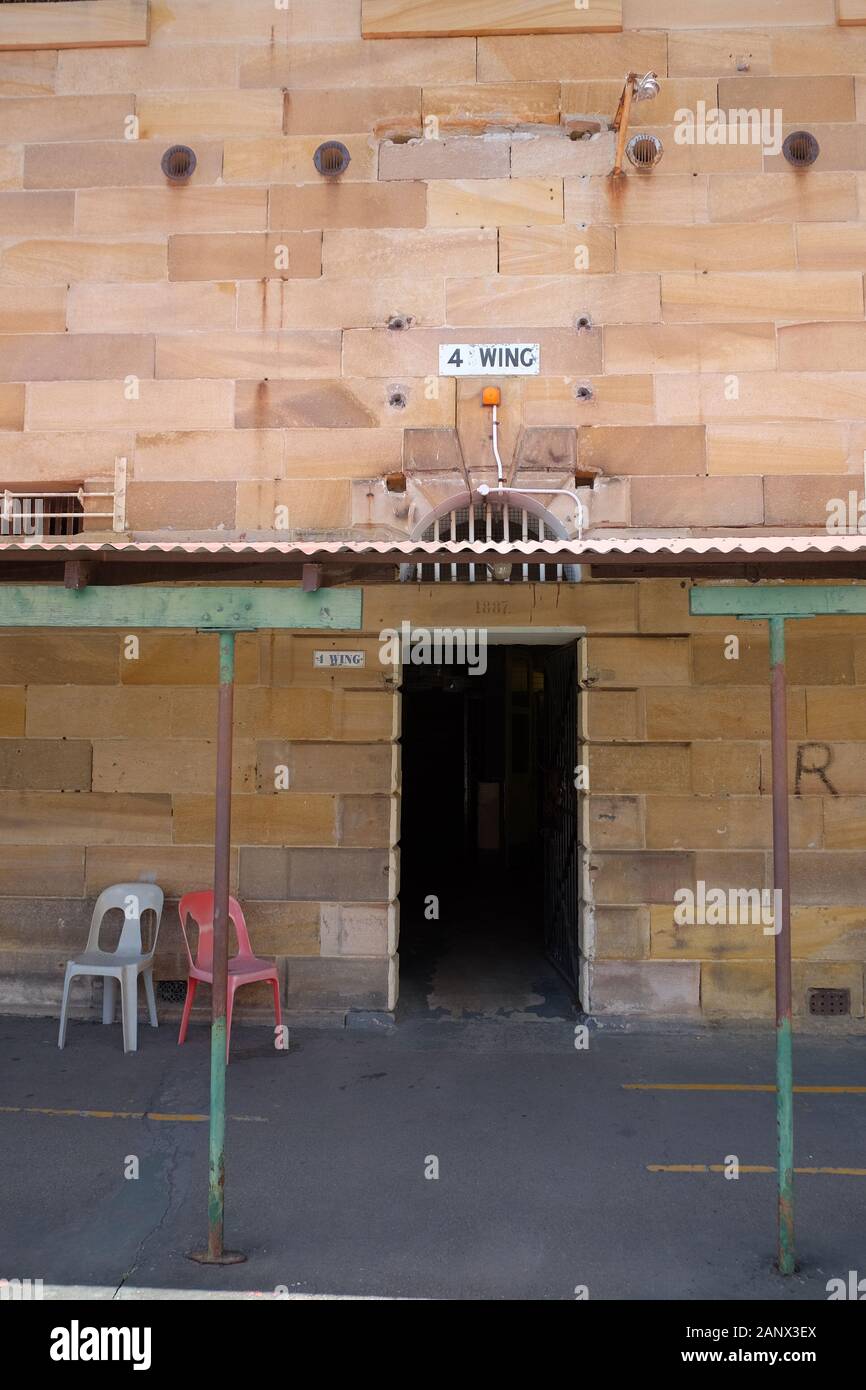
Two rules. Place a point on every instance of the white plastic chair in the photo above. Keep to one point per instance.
(125, 963)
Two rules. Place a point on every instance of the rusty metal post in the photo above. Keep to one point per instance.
(621, 120)
(782, 883)
(216, 1253)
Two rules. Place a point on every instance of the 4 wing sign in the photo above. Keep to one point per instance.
(489, 359)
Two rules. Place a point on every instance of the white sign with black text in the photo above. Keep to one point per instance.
(489, 359)
(338, 658)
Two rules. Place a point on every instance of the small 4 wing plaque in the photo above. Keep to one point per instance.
(336, 660)
(489, 359)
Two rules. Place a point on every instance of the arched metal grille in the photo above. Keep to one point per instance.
(486, 521)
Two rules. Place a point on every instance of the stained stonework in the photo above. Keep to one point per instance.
(261, 346)
(113, 781)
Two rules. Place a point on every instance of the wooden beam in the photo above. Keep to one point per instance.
(400, 19)
(75, 24)
(214, 609)
(777, 600)
(77, 573)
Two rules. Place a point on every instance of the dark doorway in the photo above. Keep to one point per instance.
(489, 836)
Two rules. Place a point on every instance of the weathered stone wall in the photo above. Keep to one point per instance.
(107, 769)
(680, 779)
(107, 765)
(261, 346)
(253, 305)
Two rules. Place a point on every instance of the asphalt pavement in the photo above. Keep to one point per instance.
(434, 1159)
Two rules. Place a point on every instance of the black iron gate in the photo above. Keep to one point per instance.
(560, 820)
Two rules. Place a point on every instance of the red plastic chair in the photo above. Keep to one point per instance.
(244, 968)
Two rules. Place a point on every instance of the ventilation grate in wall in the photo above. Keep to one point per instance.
(801, 149)
(178, 163)
(644, 151)
(171, 991)
(332, 158)
(827, 1002)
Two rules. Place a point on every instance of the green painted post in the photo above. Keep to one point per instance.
(782, 883)
(775, 603)
(216, 1252)
(222, 610)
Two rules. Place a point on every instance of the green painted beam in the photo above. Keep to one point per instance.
(776, 600)
(196, 606)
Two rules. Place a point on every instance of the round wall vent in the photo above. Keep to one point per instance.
(178, 163)
(644, 150)
(332, 159)
(801, 148)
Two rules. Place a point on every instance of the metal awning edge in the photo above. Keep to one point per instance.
(405, 551)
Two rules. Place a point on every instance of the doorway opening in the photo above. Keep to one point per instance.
(489, 844)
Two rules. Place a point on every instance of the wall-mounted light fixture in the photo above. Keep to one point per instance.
(646, 87)
(178, 163)
(332, 159)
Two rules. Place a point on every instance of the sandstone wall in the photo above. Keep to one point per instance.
(261, 346)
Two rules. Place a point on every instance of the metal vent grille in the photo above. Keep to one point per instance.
(171, 991)
(801, 149)
(826, 1002)
(644, 151)
(485, 522)
(178, 163)
(332, 158)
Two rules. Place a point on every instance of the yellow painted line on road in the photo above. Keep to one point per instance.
(164, 1118)
(175, 1119)
(838, 1172)
(751, 1168)
(740, 1086)
(82, 1114)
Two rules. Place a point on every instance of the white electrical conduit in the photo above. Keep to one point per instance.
(484, 489)
(542, 491)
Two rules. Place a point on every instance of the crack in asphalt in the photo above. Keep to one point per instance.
(168, 1147)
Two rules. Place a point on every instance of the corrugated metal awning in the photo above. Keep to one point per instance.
(592, 550)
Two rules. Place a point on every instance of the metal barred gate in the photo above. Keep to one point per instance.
(478, 518)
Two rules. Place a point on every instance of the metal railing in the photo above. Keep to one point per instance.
(64, 511)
